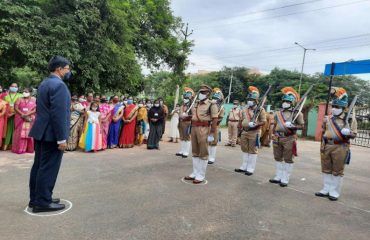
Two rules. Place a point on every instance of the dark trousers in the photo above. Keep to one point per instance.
(44, 172)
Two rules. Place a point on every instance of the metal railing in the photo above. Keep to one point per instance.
(363, 127)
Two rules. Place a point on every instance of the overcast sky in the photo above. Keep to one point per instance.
(251, 33)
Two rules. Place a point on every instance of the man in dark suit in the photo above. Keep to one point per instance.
(50, 132)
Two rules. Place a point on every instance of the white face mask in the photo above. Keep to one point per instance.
(250, 103)
(26, 94)
(125, 102)
(94, 108)
(140, 105)
(156, 105)
(285, 105)
(1, 90)
(81, 100)
(235, 106)
(336, 111)
(202, 96)
(186, 100)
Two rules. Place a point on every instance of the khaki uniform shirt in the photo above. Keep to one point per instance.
(247, 116)
(204, 111)
(340, 121)
(235, 114)
(286, 114)
(183, 110)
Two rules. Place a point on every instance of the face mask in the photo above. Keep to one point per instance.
(81, 100)
(67, 76)
(336, 111)
(186, 100)
(13, 89)
(250, 103)
(149, 105)
(140, 105)
(125, 102)
(156, 105)
(285, 105)
(235, 106)
(1, 90)
(94, 108)
(130, 101)
(161, 102)
(202, 96)
(26, 94)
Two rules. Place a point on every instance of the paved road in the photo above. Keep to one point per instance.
(138, 194)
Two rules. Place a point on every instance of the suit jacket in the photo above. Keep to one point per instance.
(52, 111)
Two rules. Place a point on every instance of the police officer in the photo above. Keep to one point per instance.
(284, 137)
(250, 137)
(217, 98)
(335, 148)
(204, 124)
(185, 122)
(233, 122)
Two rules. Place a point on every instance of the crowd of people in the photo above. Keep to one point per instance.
(96, 122)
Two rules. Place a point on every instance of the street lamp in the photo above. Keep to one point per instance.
(304, 56)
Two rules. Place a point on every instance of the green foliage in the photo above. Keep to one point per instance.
(106, 40)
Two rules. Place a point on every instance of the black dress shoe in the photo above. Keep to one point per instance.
(209, 162)
(319, 194)
(331, 198)
(54, 200)
(248, 173)
(178, 154)
(274, 181)
(239, 170)
(52, 207)
(283, 184)
(184, 156)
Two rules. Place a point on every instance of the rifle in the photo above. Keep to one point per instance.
(350, 109)
(298, 108)
(258, 109)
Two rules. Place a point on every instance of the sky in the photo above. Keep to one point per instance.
(261, 34)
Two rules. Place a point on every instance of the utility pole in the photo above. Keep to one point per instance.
(186, 33)
(231, 83)
(304, 56)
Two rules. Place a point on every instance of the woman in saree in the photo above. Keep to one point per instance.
(127, 138)
(25, 111)
(105, 110)
(114, 127)
(10, 98)
(142, 122)
(91, 138)
(156, 117)
(3, 119)
(76, 123)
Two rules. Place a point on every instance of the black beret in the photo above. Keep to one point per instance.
(56, 62)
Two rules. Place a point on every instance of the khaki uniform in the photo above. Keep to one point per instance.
(184, 125)
(202, 114)
(221, 114)
(249, 138)
(284, 140)
(234, 117)
(335, 149)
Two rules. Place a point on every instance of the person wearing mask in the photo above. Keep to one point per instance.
(251, 132)
(165, 110)
(25, 109)
(335, 146)
(76, 124)
(233, 123)
(82, 100)
(91, 138)
(185, 122)
(127, 138)
(284, 137)
(174, 129)
(89, 100)
(114, 127)
(204, 125)
(142, 122)
(11, 99)
(105, 111)
(3, 119)
(50, 132)
(156, 118)
(148, 105)
(217, 99)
